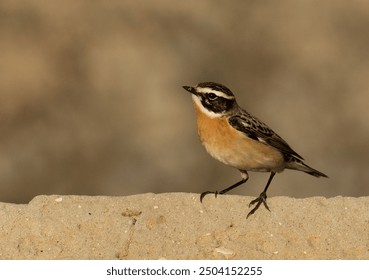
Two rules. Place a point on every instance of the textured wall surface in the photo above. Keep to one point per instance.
(178, 226)
(91, 93)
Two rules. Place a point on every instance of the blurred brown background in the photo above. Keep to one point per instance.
(91, 99)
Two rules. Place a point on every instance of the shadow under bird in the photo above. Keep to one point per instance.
(233, 136)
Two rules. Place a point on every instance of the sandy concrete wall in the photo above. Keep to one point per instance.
(178, 226)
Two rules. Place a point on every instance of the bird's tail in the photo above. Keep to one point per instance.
(297, 164)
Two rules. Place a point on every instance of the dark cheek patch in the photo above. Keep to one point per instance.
(218, 105)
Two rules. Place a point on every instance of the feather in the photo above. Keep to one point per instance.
(259, 131)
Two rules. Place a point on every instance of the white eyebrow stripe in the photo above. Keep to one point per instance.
(216, 92)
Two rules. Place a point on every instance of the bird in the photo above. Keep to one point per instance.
(238, 139)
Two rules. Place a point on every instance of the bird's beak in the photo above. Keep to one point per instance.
(190, 89)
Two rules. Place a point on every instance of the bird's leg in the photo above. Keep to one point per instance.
(245, 177)
(262, 198)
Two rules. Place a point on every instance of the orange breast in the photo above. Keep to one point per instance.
(234, 148)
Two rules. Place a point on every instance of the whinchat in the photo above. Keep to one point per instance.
(233, 136)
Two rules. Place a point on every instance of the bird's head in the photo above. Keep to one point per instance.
(213, 99)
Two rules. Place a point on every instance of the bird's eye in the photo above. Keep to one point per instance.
(212, 96)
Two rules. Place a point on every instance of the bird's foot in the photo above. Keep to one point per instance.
(206, 193)
(258, 201)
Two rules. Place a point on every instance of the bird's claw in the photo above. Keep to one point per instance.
(261, 199)
(206, 193)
